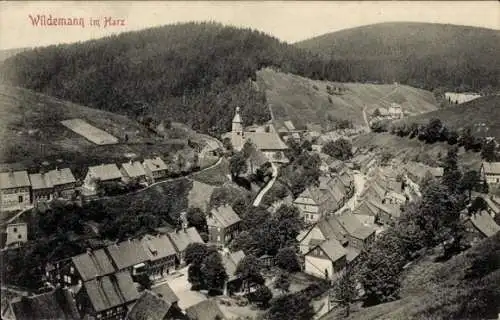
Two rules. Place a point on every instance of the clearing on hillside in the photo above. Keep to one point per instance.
(90, 132)
(305, 101)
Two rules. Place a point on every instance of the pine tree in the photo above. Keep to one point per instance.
(451, 175)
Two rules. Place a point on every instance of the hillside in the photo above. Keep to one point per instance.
(407, 149)
(482, 110)
(193, 73)
(304, 100)
(465, 287)
(32, 133)
(421, 54)
(7, 53)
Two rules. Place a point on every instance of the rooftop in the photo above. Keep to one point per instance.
(205, 310)
(158, 247)
(333, 249)
(15, 179)
(127, 254)
(111, 291)
(223, 216)
(133, 169)
(149, 307)
(105, 172)
(231, 260)
(266, 140)
(156, 164)
(93, 264)
(182, 238)
(485, 223)
(491, 167)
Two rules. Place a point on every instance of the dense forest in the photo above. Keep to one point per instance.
(425, 55)
(195, 73)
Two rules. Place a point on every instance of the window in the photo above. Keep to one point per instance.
(15, 229)
(19, 236)
(71, 270)
(218, 229)
(20, 199)
(218, 238)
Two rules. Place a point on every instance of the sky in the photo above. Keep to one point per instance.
(287, 20)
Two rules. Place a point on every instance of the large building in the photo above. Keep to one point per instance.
(14, 191)
(267, 141)
(223, 225)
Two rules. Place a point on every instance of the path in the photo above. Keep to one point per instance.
(262, 192)
(17, 215)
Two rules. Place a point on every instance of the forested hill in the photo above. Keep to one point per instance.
(195, 73)
(420, 54)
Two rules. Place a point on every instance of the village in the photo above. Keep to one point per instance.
(354, 200)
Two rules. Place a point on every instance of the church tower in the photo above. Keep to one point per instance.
(237, 123)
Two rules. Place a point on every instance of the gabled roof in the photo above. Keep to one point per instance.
(366, 208)
(223, 217)
(332, 249)
(133, 169)
(60, 176)
(40, 181)
(111, 291)
(156, 164)
(266, 140)
(394, 210)
(158, 247)
(182, 238)
(93, 264)
(15, 179)
(166, 293)
(354, 227)
(491, 167)
(105, 172)
(485, 223)
(231, 260)
(56, 304)
(205, 310)
(127, 253)
(289, 125)
(149, 307)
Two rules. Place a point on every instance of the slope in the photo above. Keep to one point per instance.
(193, 73)
(481, 114)
(31, 133)
(422, 54)
(465, 287)
(304, 100)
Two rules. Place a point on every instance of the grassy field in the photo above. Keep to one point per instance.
(483, 110)
(32, 133)
(303, 100)
(413, 149)
(215, 176)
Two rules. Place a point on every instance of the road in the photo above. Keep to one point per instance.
(262, 192)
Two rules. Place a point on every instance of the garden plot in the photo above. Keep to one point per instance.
(90, 132)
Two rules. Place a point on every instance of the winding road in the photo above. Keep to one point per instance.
(268, 186)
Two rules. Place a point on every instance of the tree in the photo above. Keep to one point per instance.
(214, 274)
(144, 281)
(283, 282)
(294, 306)
(470, 181)
(289, 224)
(248, 269)
(226, 142)
(196, 218)
(451, 174)
(195, 253)
(344, 290)
(488, 152)
(238, 164)
(261, 296)
(244, 241)
(340, 149)
(287, 260)
(478, 205)
(433, 130)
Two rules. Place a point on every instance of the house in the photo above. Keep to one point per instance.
(162, 255)
(326, 259)
(268, 141)
(480, 225)
(205, 310)
(133, 171)
(55, 304)
(230, 261)
(395, 111)
(181, 239)
(165, 292)
(223, 225)
(129, 255)
(14, 191)
(150, 306)
(417, 171)
(16, 234)
(385, 212)
(155, 168)
(63, 182)
(346, 229)
(87, 266)
(41, 187)
(490, 172)
(108, 297)
(99, 174)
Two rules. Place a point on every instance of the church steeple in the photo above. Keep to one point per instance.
(237, 123)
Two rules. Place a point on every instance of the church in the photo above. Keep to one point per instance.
(265, 139)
